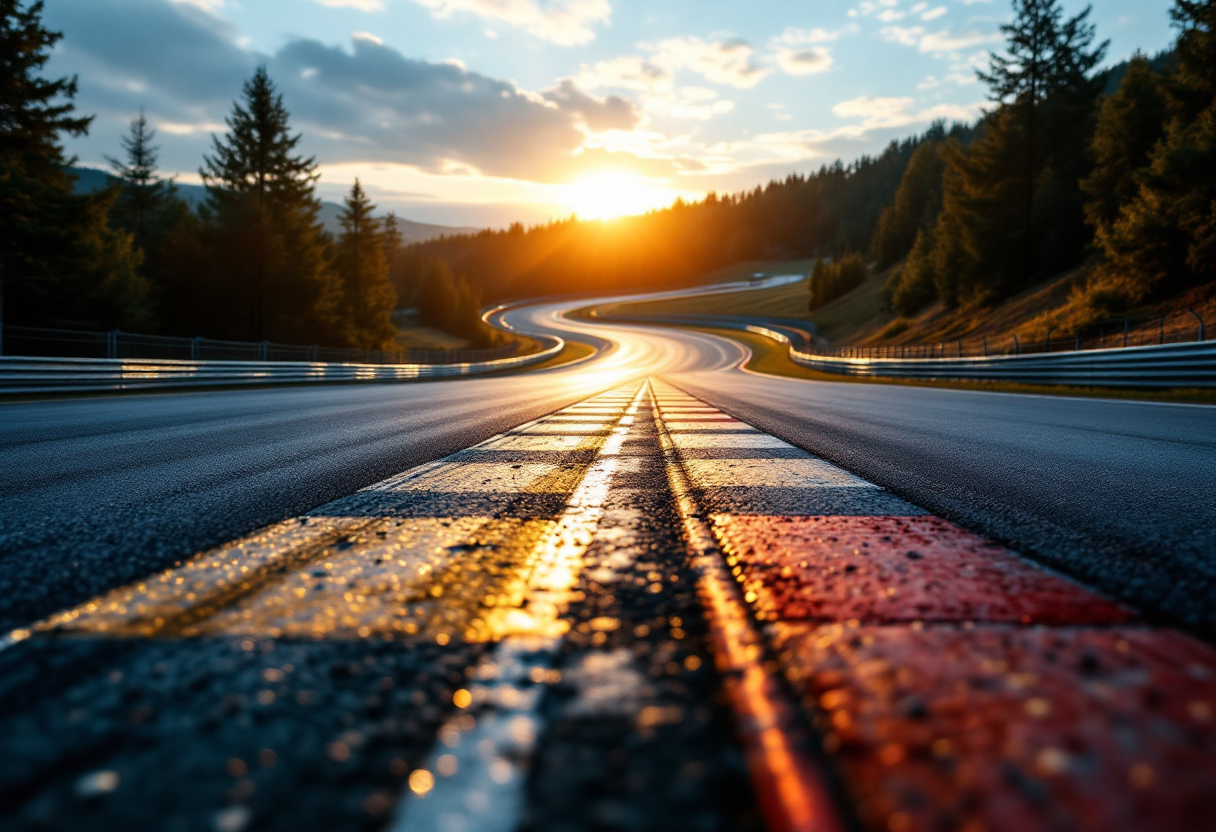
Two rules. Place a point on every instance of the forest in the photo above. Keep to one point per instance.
(1071, 165)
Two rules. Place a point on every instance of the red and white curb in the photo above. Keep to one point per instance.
(952, 684)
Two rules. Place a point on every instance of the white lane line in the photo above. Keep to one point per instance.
(474, 778)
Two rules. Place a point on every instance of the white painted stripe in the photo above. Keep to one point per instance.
(770, 473)
(717, 427)
(487, 760)
(746, 441)
(541, 443)
(570, 427)
(484, 477)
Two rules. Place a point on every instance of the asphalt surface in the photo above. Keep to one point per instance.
(96, 492)
(272, 684)
(1115, 493)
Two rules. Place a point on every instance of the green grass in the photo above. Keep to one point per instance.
(778, 302)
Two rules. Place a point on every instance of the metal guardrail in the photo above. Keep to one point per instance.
(1161, 365)
(796, 333)
(69, 343)
(32, 374)
(1169, 365)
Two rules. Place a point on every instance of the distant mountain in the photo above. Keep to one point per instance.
(95, 179)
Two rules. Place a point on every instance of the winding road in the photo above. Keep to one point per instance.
(100, 494)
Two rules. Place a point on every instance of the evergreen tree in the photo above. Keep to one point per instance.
(1164, 239)
(917, 204)
(63, 265)
(1013, 212)
(270, 246)
(1048, 59)
(1130, 124)
(143, 192)
(369, 296)
(914, 286)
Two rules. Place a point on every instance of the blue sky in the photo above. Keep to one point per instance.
(481, 112)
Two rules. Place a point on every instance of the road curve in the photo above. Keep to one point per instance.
(97, 491)
(535, 603)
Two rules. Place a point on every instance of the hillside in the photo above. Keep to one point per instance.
(94, 179)
(860, 317)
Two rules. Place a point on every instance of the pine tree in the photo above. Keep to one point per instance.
(1047, 57)
(1164, 239)
(917, 204)
(63, 265)
(270, 245)
(143, 192)
(1130, 124)
(369, 296)
(914, 285)
(1012, 209)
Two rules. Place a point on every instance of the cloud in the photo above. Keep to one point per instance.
(599, 114)
(629, 72)
(881, 113)
(937, 42)
(564, 22)
(363, 102)
(361, 5)
(801, 37)
(695, 103)
(795, 53)
(804, 61)
(726, 62)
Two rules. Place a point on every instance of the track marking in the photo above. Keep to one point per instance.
(787, 780)
(392, 560)
(474, 779)
(954, 684)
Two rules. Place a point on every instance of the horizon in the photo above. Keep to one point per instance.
(597, 111)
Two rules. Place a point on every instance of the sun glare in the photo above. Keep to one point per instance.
(610, 194)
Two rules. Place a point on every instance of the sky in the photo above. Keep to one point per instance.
(486, 112)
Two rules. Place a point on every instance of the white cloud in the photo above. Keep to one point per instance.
(890, 16)
(727, 62)
(184, 129)
(879, 113)
(205, 5)
(696, 103)
(937, 42)
(564, 22)
(367, 37)
(804, 61)
(801, 37)
(869, 7)
(629, 72)
(934, 14)
(361, 5)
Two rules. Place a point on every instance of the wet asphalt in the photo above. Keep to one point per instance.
(1115, 493)
(281, 733)
(226, 734)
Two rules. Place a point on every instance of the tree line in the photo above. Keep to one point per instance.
(1071, 165)
(828, 212)
(1065, 172)
(252, 263)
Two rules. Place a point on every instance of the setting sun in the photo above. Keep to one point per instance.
(609, 194)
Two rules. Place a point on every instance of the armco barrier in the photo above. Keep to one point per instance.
(1187, 364)
(22, 374)
(1164, 365)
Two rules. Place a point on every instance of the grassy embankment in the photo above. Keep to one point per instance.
(859, 318)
